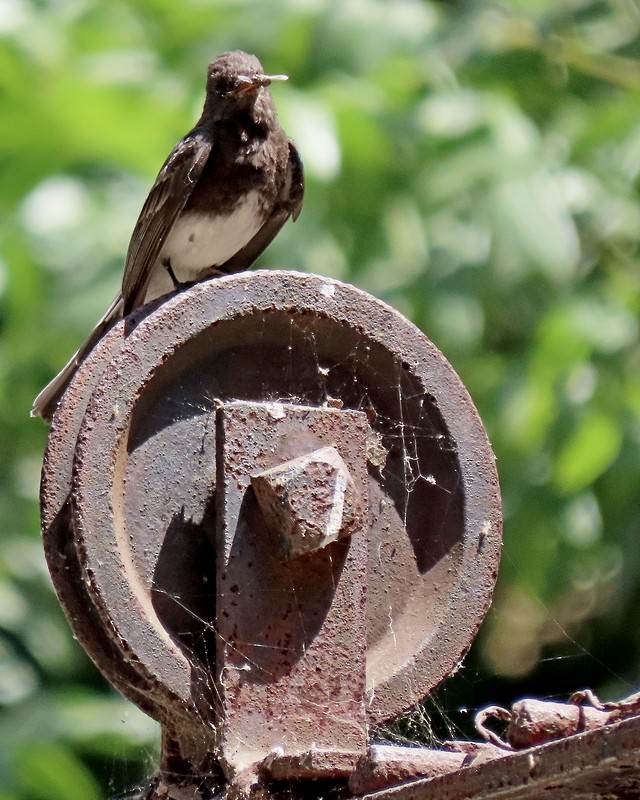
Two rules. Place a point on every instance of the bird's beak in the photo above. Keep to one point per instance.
(256, 82)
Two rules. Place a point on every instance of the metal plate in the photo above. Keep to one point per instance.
(291, 634)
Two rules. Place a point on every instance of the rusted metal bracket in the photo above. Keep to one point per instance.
(272, 515)
(530, 722)
(291, 625)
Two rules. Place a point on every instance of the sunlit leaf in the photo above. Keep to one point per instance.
(589, 451)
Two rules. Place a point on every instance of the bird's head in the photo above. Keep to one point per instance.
(237, 81)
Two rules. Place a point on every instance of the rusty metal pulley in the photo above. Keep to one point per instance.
(271, 513)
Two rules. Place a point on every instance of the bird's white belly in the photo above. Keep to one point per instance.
(198, 241)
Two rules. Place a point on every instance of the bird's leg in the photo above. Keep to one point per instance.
(166, 263)
(177, 285)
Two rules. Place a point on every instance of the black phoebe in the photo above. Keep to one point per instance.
(221, 196)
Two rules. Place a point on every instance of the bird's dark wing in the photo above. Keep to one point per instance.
(288, 205)
(295, 188)
(168, 196)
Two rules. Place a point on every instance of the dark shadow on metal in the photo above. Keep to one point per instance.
(183, 588)
(285, 603)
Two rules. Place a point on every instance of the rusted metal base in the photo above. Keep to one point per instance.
(602, 764)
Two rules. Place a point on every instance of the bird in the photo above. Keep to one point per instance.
(221, 196)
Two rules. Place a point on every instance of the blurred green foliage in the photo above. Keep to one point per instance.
(475, 164)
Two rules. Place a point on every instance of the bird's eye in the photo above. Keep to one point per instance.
(223, 86)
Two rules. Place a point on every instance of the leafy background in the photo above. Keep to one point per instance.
(476, 165)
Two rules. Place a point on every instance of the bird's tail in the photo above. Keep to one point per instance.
(46, 402)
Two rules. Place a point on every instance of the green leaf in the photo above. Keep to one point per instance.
(590, 450)
(51, 772)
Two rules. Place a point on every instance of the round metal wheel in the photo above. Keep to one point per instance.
(128, 492)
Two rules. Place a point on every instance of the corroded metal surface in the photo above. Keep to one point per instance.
(531, 721)
(314, 765)
(601, 764)
(290, 663)
(309, 501)
(57, 523)
(129, 498)
(386, 766)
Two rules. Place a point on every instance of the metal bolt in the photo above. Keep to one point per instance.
(309, 501)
